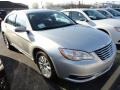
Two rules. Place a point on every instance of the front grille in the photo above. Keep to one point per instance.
(105, 52)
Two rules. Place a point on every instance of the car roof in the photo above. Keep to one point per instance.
(79, 9)
(100, 9)
(27, 11)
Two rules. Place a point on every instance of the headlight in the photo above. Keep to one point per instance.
(75, 55)
(117, 29)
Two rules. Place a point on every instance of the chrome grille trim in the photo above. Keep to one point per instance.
(105, 52)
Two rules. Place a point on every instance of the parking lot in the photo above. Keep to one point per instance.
(23, 74)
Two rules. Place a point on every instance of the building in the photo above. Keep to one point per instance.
(108, 4)
(9, 6)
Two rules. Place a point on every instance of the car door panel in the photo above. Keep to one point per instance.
(22, 37)
(9, 27)
(25, 40)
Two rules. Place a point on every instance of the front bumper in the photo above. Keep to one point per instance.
(84, 70)
(90, 75)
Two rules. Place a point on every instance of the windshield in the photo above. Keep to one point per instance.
(114, 12)
(105, 13)
(118, 10)
(49, 20)
(94, 15)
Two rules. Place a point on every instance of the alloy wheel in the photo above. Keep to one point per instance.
(44, 66)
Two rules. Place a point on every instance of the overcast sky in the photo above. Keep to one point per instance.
(29, 2)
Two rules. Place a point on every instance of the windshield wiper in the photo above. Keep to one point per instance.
(67, 25)
(46, 28)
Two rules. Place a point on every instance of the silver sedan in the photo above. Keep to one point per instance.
(58, 45)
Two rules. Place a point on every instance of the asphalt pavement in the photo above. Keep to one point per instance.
(23, 74)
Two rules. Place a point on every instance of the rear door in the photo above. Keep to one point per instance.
(9, 27)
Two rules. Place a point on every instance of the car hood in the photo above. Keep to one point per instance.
(77, 37)
(104, 22)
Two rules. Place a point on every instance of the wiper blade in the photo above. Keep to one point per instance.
(46, 28)
(68, 25)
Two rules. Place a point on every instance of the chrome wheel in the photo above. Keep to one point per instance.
(44, 66)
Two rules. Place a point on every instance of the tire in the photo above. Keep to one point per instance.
(7, 43)
(45, 65)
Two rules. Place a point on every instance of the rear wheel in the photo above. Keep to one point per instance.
(45, 65)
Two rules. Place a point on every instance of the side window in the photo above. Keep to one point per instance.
(20, 20)
(103, 12)
(11, 19)
(60, 18)
(67, 13)
(77, 16)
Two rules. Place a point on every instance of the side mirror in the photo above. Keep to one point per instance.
(87, 20)
(20, 29)
(79, 21)
(110, 17)
(92, 17)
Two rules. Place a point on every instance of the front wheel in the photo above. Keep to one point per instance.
(45, 65)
